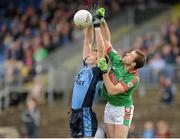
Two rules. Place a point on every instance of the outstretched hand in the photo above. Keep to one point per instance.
(98, 17)
(103, 66)
(100, 12)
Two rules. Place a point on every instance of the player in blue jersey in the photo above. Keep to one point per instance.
(83, 121)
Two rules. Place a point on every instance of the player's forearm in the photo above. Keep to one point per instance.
(100, 43)
(88, 35)
(111, 88)
(106, 34)
(88, 39)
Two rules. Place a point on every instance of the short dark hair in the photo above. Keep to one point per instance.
(140, 59)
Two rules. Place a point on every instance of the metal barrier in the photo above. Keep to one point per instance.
(150, 76)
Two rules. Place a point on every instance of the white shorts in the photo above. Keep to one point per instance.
(118, 114)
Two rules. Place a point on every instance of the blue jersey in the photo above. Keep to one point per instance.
(87, 85)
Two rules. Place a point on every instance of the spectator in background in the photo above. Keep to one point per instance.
(13, 62)
(165, 29)
(176, 77)
(40, 53)
(31, 118)
(162, 130)
(178, 60)
(46, 41)
(27, 69)
(167, 89)
(167, 54)
(37, 89)
(149, 130)
(173, 39)
(157, 64)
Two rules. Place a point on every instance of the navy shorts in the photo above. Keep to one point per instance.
(83, 123)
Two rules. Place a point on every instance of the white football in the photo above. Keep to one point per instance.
(82, 19)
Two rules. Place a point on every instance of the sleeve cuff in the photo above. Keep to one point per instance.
(124, 86)
(108, 50)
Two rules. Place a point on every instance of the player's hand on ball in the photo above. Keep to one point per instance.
(100, 12)
(103, 66)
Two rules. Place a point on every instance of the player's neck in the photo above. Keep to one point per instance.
(128, 67)
(93, 65)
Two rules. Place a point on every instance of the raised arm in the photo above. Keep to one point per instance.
(112, 89)
(100, 43)
(88, 40)
(106, 34)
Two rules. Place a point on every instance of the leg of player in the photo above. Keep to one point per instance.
(110, 130)
(121, 131)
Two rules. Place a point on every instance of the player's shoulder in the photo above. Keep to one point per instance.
(133, 76)
(96, 69)
(132, 80)
(135, 79)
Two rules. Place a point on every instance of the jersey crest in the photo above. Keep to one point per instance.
(130, 84)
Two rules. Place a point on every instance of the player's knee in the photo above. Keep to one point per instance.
(110, 134)
(121, 135)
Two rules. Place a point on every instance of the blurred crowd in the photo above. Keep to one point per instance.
(163, 58)
(31, 118)
(163, 47)
(31, 29)
(160, 129)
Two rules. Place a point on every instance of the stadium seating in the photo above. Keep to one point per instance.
(42, 31)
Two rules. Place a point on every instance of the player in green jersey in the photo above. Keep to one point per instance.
(119, 83)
